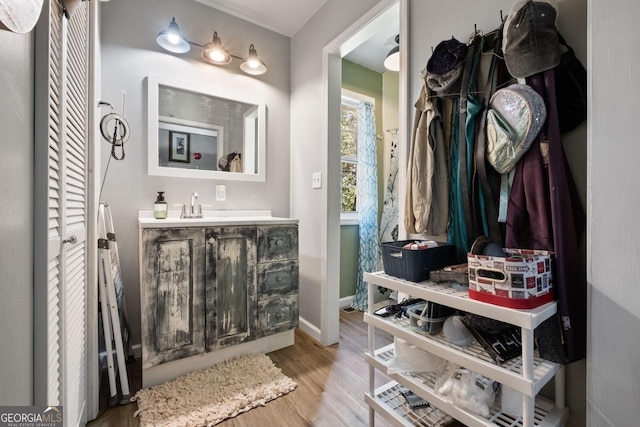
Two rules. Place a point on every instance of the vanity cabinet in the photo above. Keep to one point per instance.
(172, 294)
(208, 288)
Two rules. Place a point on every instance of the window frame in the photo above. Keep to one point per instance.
(351, 98)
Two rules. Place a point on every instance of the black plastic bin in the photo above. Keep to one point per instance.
(415, 265)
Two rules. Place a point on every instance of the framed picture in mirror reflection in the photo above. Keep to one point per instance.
(179, 147)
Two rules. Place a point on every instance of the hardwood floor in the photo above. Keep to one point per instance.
(331, 381)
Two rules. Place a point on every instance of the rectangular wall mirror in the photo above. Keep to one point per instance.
(197, 131)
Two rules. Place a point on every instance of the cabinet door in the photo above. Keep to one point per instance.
(277, 242)
(230, 286)
(172, 262)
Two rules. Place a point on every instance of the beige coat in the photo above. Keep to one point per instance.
(427, 198)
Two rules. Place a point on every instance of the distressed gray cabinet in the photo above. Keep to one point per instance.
(172, 273)
(207, 288)
(230, 286)
(277, 279)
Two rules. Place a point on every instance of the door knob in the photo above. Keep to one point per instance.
(73, 240)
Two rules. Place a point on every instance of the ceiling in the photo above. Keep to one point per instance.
(377, 39)
(282, 16)
(288, 16)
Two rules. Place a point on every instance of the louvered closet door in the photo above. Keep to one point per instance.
(63, 127)
(76, 73)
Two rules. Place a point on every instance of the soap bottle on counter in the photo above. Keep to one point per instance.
(160, 207)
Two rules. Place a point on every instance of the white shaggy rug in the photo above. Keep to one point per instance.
(207, 397)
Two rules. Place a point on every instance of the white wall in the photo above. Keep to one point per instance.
(306, 138)
(16, 219)
(613, 391)
(390, 118)
(129, 53)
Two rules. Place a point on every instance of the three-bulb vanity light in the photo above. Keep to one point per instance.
(213, 52)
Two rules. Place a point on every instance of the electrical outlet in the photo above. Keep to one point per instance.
(221, 193)
(316, 180)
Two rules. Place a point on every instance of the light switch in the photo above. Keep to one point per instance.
(221, 193)
(316, 180)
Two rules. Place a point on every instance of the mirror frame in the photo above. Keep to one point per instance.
(153, 82)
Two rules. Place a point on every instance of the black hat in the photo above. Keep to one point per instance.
(531, 38)
(446, 56)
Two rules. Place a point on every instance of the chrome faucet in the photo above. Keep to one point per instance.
(194, 211)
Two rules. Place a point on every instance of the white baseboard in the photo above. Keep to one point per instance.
(310, 329)
(346, 301)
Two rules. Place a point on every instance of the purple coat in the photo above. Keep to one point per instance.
(544, 213)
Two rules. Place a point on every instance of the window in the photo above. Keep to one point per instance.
(349, 154)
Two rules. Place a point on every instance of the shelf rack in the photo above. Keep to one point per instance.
(388, 401)
(527, 374)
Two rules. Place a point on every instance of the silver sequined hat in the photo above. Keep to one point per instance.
(514, 120)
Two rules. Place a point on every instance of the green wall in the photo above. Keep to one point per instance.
(348, 260)
(370, 83)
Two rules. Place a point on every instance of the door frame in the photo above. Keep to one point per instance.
(93, 195)
(332, 55)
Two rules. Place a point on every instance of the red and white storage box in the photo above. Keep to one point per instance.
(522, 280)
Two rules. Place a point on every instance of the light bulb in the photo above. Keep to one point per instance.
(173, 38)
(216, 55)
(253, 62)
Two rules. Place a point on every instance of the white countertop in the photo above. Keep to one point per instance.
(213, 218)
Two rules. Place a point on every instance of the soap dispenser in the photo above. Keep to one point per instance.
(160, 207)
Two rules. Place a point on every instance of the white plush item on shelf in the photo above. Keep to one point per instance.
(409, 358)
(466, 388)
